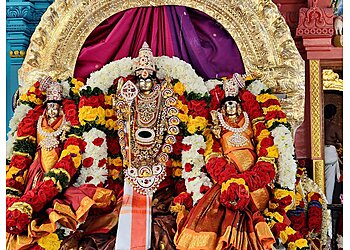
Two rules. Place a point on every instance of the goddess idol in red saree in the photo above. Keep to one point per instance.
(228, 216)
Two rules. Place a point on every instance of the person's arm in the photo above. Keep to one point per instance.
(339, 134)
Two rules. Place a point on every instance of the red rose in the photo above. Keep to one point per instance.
(10, 201)
(203, 189)
(37, 247)
(267, 142)
(188, 167)
(87, 162)
(180, 186)
(298, 220)
(278, 228)
(177, 147)
(259, 127)
(236, 197)
(186, 147)
(215, 166)
(315, 197)
(14, 184)
(98, 142)
(198, 108)
(20, 162)
(270, 102)
(200, 151)
(102, 162)
(75, 141)
(67, 164)
(16, 222)
(113, 146)
(37, 84)
(275, 115)
(93, 101)
(314, 221)
(71, 112)
(217, 94)
(184, 199)
(228, 173)
(182, 98)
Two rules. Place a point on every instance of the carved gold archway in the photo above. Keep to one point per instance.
(259, 30)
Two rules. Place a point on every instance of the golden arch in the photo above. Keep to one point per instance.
(259, 30)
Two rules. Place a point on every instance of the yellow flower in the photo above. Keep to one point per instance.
(77, 85)
(179, 88)
(227, 184)
(109, 112)
(284, 236)
(270, 122)
(13, 171)
(114, 173)
(264, 97)
(301, 243)
(64, 153)
(183, 117)
(177, 172)
(77, 160)
(32, 89)
(292, 246)
(272, 152)
(271, 108)
(7, 168)
(87, 113)
(281, 193)
(110, 124)
(73, 149)
(50, 242)
(108, 99)
(290, 230)
(20, 179)
(176, 164)
(32, 98)
(117, 162)
(263, 134)
(24, 98)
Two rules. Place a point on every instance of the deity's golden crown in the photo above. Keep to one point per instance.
(53, 89)
(144, 63)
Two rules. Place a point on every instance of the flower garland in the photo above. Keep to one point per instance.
(94, 161)
(190, 149)
(24, 148)
(167, 67)
(282, 200)
(196, 181)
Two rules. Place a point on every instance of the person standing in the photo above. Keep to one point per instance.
(333, 137)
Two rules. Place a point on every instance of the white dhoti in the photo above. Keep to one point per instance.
(331, 170)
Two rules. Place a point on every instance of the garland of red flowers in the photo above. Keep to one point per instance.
(25, 145)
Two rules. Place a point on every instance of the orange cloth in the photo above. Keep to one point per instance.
(210, 225)
(70, 211)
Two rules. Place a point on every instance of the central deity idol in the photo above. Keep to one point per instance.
(147, 124)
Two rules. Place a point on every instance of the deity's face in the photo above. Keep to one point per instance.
(231, 108)
(146, 85)
(53, 110)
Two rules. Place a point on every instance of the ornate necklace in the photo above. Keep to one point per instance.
(237, 139)
(50, 140)
(147, 108)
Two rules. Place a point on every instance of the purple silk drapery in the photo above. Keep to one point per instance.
(169, 30)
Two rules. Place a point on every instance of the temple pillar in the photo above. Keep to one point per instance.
(22, 17)
(316, 30)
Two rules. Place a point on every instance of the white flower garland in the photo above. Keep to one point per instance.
(256, 87)
(195, 178)
(65, 89)
(287, 167)
(94, 174)
(168, 67)
(211, 83)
